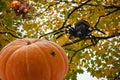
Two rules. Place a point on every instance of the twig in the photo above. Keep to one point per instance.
(104, 16)
(112, 6)
(75, 52)
(107, 7)
(9, 34)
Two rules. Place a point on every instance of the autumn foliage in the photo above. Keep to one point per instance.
(50, 20)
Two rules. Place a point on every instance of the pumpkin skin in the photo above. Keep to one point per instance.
(33, 59)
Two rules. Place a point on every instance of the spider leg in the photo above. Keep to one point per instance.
(67, 30)
(58, 32)
(92, 29)
(93, 40)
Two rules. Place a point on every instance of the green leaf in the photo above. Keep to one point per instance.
(80, 71)
(2, 5)
(9, 21)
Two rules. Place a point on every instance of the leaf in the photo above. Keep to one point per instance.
(2, 5)
(75, 59)
(62, 40)
(106, 72)
(88, 42)
(98, 75)
(9, 21)
(80, 71)
(95, 48)
(86, 56)
(102, 51)
(105, 45)
(73, 67)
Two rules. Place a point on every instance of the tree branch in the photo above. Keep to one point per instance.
(112, 6)
(76, 8)
(75, 51)
(108, 37)
(63, 25)
(9, 34)
(104, 16)
(107, 7)
(99, 38)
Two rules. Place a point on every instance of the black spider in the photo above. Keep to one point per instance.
(81, 29)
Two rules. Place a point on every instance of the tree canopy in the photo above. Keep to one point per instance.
(49, 19)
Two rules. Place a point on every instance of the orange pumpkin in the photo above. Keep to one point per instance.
(15, 5)
(33, 59)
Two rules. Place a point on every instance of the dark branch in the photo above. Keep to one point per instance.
(112, 6)
(76, 8)
(106, 7)
(98, 38)
(9, 34)
(104, 16)
(75, 51)
(63, 25)
(108, 37)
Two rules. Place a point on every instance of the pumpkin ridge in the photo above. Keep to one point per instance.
(61, 55)
(66, 67)
(57, 50)
(46, 60)
(13, 54)
(6, 60)
(43, 54)
(26, 60)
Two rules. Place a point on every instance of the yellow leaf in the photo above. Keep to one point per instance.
(95, 48)
(102, 51)
(98, 75)
(73, 67)
(86, 56)
(76, 59)
(78, 45)
(107, 72)
(105, 45)
(109, 61)
(88, 42)
(98, 61)
(62, 40)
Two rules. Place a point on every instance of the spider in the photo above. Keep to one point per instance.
(81, 30)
